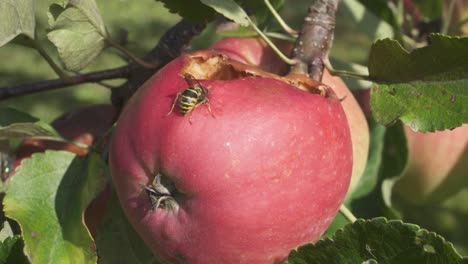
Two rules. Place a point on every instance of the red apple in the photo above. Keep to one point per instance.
(438, 165)
(84, 125)
(255, 51)
(263, 174)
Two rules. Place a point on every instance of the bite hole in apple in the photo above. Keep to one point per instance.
(217, 66)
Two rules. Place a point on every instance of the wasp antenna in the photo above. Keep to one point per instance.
(189, 76)
(173, 104)
(209, 108)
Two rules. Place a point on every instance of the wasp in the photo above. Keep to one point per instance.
(192, 97)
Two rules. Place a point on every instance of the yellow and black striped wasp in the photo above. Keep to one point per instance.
(191, 97)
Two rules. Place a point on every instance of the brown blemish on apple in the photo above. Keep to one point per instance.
(217, 66)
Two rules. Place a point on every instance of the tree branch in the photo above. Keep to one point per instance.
(315, 39)
(170, 46)
(29, 88)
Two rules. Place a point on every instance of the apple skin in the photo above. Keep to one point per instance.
(84, 125)
(263, 176)
(438, 165)
(255, 51)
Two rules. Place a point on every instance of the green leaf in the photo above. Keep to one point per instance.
(11, 246)
(78, 32)
(230, 9)
(445, 59)
(117, 241)
(378, 241)
(17, 17)
(9, 116)
(338, 222)
(204, 11)
(47, 196)
(193, 10)
(18, 125)
(425, 107)
(90, 9)
(426, 88)
(448, 218)
(394, 160)
(353, 83)
(258, 9)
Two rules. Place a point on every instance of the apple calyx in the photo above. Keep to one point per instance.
(213, 65)
(161, 193)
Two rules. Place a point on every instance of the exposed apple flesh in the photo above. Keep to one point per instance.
(255, 51)
(263, 176)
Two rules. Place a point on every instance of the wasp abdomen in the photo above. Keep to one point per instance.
(189, 99)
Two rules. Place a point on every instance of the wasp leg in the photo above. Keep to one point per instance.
(174, 103)
(207, 102)
(189, 113)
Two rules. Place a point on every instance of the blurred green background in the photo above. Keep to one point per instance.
(144, 21)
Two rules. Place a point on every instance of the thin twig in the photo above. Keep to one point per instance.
(347, 214)
(49, 60)
(170, 46)
(447, 19)
(276, 35)
(270, 44)
(29, 88)
(130, 55)
(280, 20)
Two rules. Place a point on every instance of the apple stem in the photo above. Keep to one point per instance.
(280, 20)
(341, 73)
(130, 55)
(272, 46)
(347, 214)
(315, 39)
(49, 60)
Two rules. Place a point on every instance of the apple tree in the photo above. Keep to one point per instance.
(231, 131)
